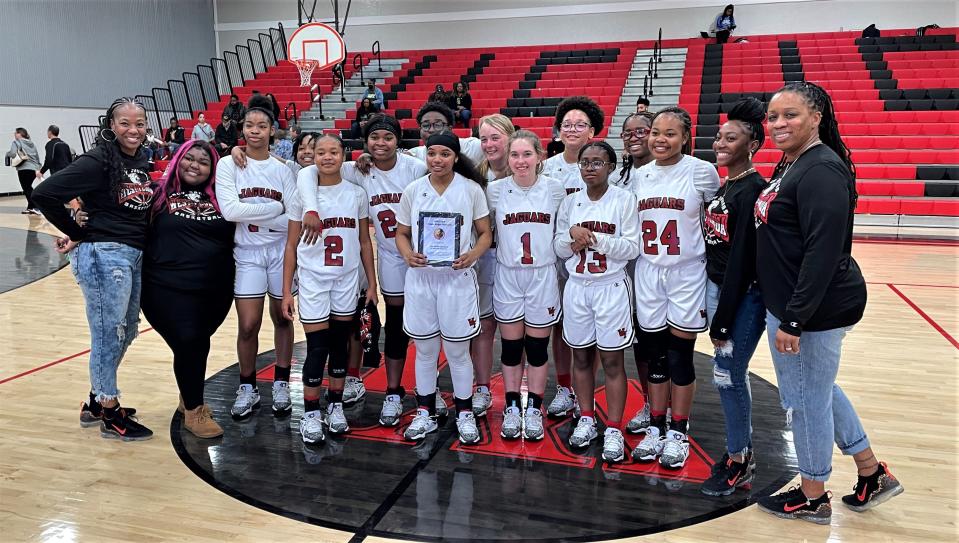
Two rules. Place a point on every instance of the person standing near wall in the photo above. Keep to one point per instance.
(203, 130)
(56, 153)
(23, 156)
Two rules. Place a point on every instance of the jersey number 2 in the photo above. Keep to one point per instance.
(334, 246)
(387, 223)
(597, 263)
(669, 238)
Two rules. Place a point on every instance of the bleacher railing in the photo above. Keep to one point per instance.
(208, 83)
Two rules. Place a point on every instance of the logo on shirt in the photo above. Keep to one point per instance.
(135, 191)
(551, 311)
(716, 222)
(472, 322)
(389, 198)
(599, 226)
(766, 197)
(527, 216)
(339, 222)
(662, 202)
(570, 190)
(261, 192)
(621, 332)
(192, 205)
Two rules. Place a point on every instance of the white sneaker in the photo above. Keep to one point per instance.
(353, 390)
(441, 409)
(675, 450)
(650, 447)
(282, 405)
(583, 434)
(335, 419)
(247, 399)
(466, 426)
(563, 403)
(614, 446)
(640, 421)
(482, 400)
(512, 423)
(311, 427)
(533, 424)
(392, 410)
(422, 424)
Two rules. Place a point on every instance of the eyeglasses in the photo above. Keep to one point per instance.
(438, 125)
(630, 134)
(574, 127)
(592, 164)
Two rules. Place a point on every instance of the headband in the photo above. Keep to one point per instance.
(446, 140)
(381, 124)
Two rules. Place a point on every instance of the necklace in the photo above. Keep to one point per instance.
(799, 155)
(729, 181)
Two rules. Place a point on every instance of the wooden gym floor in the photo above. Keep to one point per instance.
(59, 482)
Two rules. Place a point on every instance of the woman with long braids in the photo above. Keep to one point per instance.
(578, 119)
(441, 301)
(253, 198)
(814, 293)
(106, 255)
(494, 133)
(734, 304)
(671, 280)
(189, 258)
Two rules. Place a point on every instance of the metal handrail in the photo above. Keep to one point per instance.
(249, 56)
(316, 98)
(338, 74)
(249, 44)
(89, 128)
(375, 50)
(660, 42)
(358, 65)
(260, 36)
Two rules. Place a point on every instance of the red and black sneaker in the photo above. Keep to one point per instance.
(793, 504)
(872, 490)
(123, 427)
(91, 413)
(725, 478)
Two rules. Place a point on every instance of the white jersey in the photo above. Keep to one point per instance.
(462, 196)
(469, 147)
(254, 199)
(557, 168)
(670, 200)
(525, 220)
(632, 176)
(612, 219)
(340, 208)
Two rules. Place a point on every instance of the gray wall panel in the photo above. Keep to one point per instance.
(85, 53)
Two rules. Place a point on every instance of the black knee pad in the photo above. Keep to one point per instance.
(655, 346)
(397, 342)
(317, 350)
(537, 352)
(339, 344)
(680, 357)
(512, 353)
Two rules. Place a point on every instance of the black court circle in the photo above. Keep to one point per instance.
(372, 483)
(26, 256)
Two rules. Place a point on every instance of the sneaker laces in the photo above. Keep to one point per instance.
(392, 405)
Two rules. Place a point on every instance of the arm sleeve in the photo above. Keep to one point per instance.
(48, 156)
(467, 101)
(822, 199)
(473, 149)
(80, 177)
(379, 97)
(561, 240)
(492, 196)
(405, 209)
(349, 173)
(294, 208)
(232, 208)
(740, 267)
(362, 209)
(706, 180)
(626, 245)
(13, 149)
(290, 198)
(179, 136)
(480, 206)
(306, 187)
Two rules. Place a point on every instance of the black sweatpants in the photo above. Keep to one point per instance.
(27, 177)
(186, 320)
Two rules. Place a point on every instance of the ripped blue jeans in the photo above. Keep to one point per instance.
(109, 277)
(731, 367)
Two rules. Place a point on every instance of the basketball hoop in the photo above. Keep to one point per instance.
(305, 66)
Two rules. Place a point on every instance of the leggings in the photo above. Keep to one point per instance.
(27, 177)
(186, 320)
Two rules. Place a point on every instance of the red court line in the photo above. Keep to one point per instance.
(920, 242)
(920, 285)
(923, 314)
(55, 362)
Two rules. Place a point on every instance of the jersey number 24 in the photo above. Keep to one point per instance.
(667, 238)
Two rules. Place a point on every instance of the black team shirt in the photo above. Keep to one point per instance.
(118, 215)
(804, 220)
(190, 245)
(730, 235)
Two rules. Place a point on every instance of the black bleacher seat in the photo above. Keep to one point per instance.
(790, 68)
(880, 74)
(527, 84)
(886, 83)
(794, 76)
(909, 47)
(537, 69)
(509, 111)
(552, 101)
(871, 57)
(930, 173)
(403, 114)
(587, 59)
(547, 54)
(608, 58)
(890, 94)
(939, 94)
(712, 80)
(595, 52)
(710, 88)
(410, 143)
(713, 62)
(712, 70)
(353, 145)
(705, 154)
(792, 59)
(710, 98)
(703, 143)
(546, 111)
(914, 94)
(707, 131)
(611, 51)
(896, 105)
(877, 65)
(708, 119)
(411, 133)
(579, 53)
(788, 44)
(920, 105)
(526, 112)
(521, 93)
(945, 105)
(709, 109)
(515, 102)
(869, 49)
(576, 60)
(945, 189)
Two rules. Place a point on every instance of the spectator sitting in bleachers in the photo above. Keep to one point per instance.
(725, 24)
(374, 93)
(363, 113)
(235, 109)
(276, 111)
(283, 148)
(434, 118)
(173, 137)
(151, 145)
(870, 31)
(439, 96)
(461, 103)
(642, 104)
(202, 130)
(225, 136)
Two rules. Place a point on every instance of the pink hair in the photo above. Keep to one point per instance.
(170, 181)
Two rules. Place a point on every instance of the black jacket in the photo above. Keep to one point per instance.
(56, 156)
(804, 221)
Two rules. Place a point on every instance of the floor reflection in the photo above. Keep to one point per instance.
(26, 256)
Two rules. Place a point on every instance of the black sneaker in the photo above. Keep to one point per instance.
(124, 428)
(793, 504)
(91, 413)
(872, 490)
(729, 476)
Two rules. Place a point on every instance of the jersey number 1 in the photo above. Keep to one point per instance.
(334, 246)
(527, 259)
(669, 238)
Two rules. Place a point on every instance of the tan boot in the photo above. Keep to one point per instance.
(200, 423)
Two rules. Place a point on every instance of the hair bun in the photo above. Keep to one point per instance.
(748, 110)
(260, 101)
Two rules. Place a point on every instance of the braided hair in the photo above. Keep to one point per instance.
(751, 113)
(685, 120)
(819, 100)
(106, 142)
(627, 169)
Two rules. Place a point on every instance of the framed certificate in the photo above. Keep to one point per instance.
(439, 237)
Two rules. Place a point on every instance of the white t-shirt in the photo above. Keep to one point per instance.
(612, 219)
(254, 199)
(670, 202)
(525, 220)
(462, 196)
(557, 168)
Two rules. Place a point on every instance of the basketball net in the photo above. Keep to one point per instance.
(305, 66)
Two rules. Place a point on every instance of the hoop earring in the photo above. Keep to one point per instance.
(105, 131)
(750, 156)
